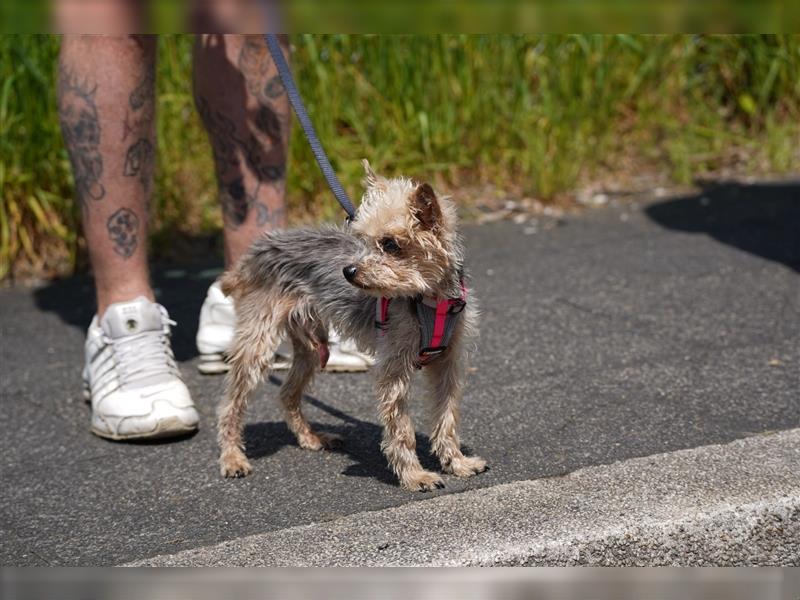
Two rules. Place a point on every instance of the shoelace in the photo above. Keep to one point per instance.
(144, 354)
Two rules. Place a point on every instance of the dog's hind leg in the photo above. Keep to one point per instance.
(446, 376)
(305, 361)
(260, 319)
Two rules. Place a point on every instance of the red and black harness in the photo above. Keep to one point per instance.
(437, 321)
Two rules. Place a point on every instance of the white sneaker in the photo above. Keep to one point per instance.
(215, 331)
(217, 327)
(345, 356)
(131, 377)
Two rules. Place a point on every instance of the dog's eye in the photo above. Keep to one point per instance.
(389, 245)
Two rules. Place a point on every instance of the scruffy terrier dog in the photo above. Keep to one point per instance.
(401, 259)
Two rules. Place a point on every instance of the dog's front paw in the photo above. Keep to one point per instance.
(421, 481)
(319, 441)
(234, 464)
(466, 466)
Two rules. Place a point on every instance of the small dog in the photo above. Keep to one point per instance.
(401, 253)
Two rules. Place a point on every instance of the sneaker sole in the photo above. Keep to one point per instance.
(166, 428)
(212, 365)
(329, 368)
(215, 364)
(218, 368)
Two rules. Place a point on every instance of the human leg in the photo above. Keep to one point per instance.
(106, 107)
(246, 114)
(107, 110)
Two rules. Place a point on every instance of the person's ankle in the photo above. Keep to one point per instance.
(107, 298)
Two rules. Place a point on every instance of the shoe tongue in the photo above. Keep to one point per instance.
(128, 318)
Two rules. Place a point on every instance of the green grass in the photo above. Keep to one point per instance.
(540, 115)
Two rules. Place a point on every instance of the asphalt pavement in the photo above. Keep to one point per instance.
(628, 331)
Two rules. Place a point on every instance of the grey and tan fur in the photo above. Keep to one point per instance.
(403, 242)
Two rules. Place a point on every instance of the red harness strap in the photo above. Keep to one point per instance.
(382, 316)
(437, 318)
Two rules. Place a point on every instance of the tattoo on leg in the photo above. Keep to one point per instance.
(268, 122)
(123, 231)
(138, 159)
(261, 162)
(222, 135)
(235, 203)
(80, 125)
(262, 214)
(274, 88)
(140, 156)
(277, 217)
(254, 63)
(264, 148)
(144, 90)
(260, 143)
(265, 158)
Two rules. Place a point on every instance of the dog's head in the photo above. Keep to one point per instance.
(411, 239)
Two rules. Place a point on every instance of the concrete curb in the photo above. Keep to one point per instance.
(732, 504)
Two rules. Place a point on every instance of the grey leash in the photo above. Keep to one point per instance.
(308, 127)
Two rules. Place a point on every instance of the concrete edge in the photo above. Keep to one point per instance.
(729, 504)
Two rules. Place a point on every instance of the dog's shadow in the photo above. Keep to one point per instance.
(359, 440)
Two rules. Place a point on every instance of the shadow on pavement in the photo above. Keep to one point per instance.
(181, 289)
(761, 219)
(360, 441)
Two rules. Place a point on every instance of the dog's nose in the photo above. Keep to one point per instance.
(350, 272)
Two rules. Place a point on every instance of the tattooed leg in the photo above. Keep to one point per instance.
(107, 111)
(246, 112)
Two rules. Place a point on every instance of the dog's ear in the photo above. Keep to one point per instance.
(426, 207)
(370, 178)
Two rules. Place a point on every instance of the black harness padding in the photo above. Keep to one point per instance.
(437, 318)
